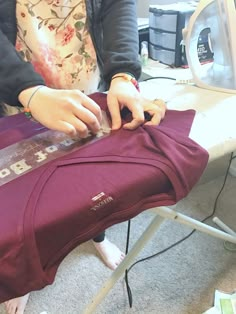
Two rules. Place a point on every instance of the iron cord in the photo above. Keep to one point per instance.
(227, 245)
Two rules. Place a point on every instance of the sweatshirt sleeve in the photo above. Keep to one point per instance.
(120, 43)
(15, 74)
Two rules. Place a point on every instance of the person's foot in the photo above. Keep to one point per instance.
(110, 253)
(17, 305)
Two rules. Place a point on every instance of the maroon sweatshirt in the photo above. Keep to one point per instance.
(48, 211)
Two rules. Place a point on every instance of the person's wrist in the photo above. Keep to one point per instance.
(25, 95)
(128, 77)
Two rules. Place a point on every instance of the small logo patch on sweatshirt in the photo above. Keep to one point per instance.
(100, 200)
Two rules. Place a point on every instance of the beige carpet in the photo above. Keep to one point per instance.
(180, 281)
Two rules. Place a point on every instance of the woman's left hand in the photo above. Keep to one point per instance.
(122, 94)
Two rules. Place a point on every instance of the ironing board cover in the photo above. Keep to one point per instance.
(47, 212)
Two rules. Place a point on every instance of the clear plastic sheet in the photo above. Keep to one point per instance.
(31, 153)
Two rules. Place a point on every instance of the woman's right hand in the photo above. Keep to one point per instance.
(68, 111)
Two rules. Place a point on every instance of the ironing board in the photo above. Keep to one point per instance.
(214, 129)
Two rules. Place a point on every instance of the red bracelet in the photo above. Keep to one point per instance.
(128, 78)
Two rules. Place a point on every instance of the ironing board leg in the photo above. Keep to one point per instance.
(140, 243)
(169, 213)
(223, 226)
(161, 214)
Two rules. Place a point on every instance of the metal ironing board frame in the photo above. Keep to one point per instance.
(161, 213)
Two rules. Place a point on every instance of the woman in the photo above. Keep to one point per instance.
(56, 52)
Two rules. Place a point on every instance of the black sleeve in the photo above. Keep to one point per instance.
(120, 44)
(15, 74)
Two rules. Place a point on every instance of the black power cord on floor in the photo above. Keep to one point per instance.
(129, 292)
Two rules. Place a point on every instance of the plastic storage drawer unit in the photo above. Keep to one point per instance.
(166, 23)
